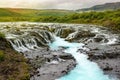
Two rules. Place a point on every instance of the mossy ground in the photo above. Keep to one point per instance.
(13, 65)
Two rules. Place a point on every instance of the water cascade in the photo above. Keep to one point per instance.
(30, 36)
(31, 41)
(85, 69)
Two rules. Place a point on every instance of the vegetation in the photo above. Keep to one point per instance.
(107, 18)
(1, 56)
(2, 35)
(13, 66)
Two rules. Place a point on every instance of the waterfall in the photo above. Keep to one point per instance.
(31, 41)
(58, 32)
(32, 36)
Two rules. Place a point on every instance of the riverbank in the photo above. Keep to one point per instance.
(49, 65)
(108, 58)
(13, 65)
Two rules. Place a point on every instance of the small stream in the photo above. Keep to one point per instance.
(26, 37)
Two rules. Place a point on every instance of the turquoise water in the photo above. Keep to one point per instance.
(85, 69)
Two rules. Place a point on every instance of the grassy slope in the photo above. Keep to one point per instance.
(107, 18)
(8, 14)
(110, 19)
(32, 13)
(13, 65)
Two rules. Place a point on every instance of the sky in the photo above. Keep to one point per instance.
(52, 4)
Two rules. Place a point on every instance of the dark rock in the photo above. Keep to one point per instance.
(81, 34)
(85, 34)
(65, 32)
(65, 72)
(107, 68)
(66, 57)
(38, 75)
(106, 40)
(98, 39)
(108, 58)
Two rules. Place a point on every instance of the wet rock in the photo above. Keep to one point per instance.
(85, 34)
(108, 59)
(45, 63)
(98, 39)
(106, 40)
(107, 68)
(66, 57)
(79, 35)
(64, 32)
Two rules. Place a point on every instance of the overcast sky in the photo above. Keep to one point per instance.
(52, 4)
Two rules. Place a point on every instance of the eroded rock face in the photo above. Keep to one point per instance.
(50, 65)
(108, 59)
(100, 38)
(64, 32)
(83, 34)
(79, 35)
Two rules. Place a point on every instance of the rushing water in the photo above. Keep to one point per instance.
(31, 36)
(85, 69)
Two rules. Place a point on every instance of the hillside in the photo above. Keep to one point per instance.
(14, 14)
(103, 7)
(32, 12)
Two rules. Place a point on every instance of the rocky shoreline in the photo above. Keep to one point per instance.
(49, 65)
(47, 68)
(108, 58)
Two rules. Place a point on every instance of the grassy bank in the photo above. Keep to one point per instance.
(13, 65)
(109, 19)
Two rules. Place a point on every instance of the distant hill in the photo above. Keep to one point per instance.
(103, 7)
(10, 12)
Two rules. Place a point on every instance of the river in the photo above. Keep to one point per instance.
(27, 37)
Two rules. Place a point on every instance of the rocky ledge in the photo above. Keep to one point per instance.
(48, 64)
(108, 58)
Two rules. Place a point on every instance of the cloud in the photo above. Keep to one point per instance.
(52, 4)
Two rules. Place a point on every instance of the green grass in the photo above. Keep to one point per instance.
(32, 13)
(109, 19)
